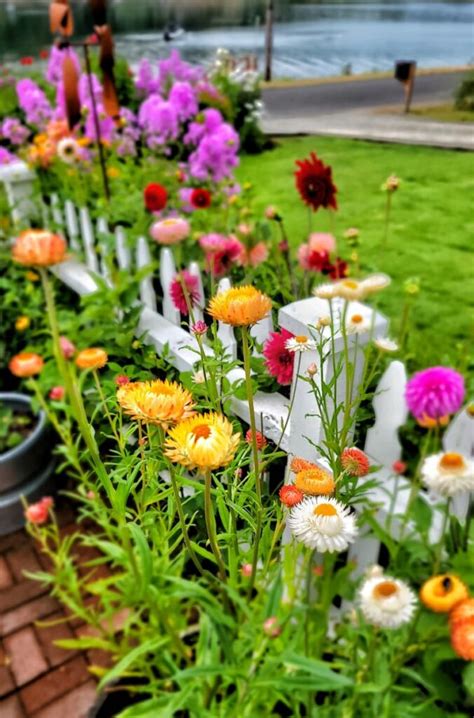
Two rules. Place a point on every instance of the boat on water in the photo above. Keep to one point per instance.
(173, 32)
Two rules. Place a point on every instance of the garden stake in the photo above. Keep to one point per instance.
(95, 115)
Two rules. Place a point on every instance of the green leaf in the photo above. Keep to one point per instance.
(129, 659)
(468, 679)
(323, 677)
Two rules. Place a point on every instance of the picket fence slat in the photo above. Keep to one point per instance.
(72, 225)
(224, 331)
(87, 233)
(56, 211)
(124, 256)
(143, 259)
(167, 274)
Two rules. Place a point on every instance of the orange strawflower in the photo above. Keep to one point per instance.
(463, 612)
(442, 593)
(240, 306)
(426, 422)
(315, 481)
(26, 364)
(462, 640)
(38, 247)
(204, 442)
(22, 323)
(355, 462)
(156, 402)
(92, 358)
(298, 465)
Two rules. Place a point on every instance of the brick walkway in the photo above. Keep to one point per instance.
(37, 678)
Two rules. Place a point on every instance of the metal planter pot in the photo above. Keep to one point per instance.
(26, 470)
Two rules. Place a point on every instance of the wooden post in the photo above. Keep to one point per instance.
(409, 87)
(269, 41)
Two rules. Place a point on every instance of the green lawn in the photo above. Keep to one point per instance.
(431, 236)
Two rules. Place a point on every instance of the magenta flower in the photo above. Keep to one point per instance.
(6, 157)
(191, 283)
(199, 328)
(221, 252)
(13, 131)
(278, 360)
(435, 393)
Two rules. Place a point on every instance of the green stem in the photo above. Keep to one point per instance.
(387, 219)
(439, 547)
(211, 525)
(106, 409)
(182, 521)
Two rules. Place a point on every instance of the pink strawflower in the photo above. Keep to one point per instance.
(261, 440)
(39, 513)
(355, 462)
(221, 252)
(314, 255)
(67, 347)
(177, 294)
(121, 380)
(170, 231)
(399, 467)
(254, 256)
(272, 627)
(199, 328)
(57, 393)
(246, 570)
(435, 393)
(278, 360)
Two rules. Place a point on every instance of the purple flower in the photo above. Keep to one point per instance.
(6, 157)
(159, 121)
(435, 393)
(185, 199)
(13, 131)
(145, 81)
(183, 98)
(33, 102)
(216, 155)
(54, 70)
(174, 69)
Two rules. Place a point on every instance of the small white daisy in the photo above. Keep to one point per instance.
(375, 283)
(300, 344)
(326, 291)
(323, 524)
(448, 473)
(386, 602)
(349, 289)
(357, 323)
(384, 344)
(68, 150)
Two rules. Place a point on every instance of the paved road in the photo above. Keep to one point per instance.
(329, 98)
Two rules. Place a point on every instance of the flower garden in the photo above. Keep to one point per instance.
(277, 482)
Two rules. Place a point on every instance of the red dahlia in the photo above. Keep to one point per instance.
(314, 183)
(155, 197)
(26, 61)
(200, 198)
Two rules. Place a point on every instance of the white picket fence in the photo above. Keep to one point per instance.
(90, 258)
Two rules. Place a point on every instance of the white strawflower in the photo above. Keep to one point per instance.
(326, 291)
(199, 377)
(375, 283)
(386, 602)
(323, 524)
(300, 344)
(448, 473)
(68, 150)
(384, 344)
(357, 324)
(349, 289)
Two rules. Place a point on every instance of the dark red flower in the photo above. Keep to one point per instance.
(26, 61)
(290, 495)
(338, 270)
(314, 183)
(278, 360)
(155, 197)
(200, 198)
(44, 54)
(318, 261)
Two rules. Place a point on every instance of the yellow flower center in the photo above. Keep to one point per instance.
(169, 222)
(350, 284)
(301, 339)
(384, 589)
(202, 431)
(325, 510)
(452, 460)
(357, 318)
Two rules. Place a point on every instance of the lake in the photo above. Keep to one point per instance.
(310, 39)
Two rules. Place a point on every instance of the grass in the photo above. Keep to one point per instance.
(443, 113)
(431, 233)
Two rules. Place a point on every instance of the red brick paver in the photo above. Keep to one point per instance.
(37, 678)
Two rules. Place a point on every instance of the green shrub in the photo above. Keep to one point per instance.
(464, 97)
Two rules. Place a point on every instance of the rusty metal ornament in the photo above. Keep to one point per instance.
(71, 91)
(60, 18)
(106, 63)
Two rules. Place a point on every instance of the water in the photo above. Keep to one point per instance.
(310, 39)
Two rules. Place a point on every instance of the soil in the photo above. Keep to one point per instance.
(15, 427)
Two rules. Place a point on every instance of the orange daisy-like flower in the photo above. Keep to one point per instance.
(298, 465)
(92, 358)
(204, 442)
(462, 640)
(26, 364)
(355, 462)
(38, 247)
(240, 306)
(315, 481)
(463, 612)
(442, 593)
(156, 402)
(290, 495)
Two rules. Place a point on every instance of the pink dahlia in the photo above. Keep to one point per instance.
(170, 231)
(435, 393)
(314, 255)
(177, 293)
(279, 361)
(254, 256)
(221, 252)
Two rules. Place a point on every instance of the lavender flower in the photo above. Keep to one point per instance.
(33, 102)
(183, 99)
(6, 157)
(159, 121)
(14, 131)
